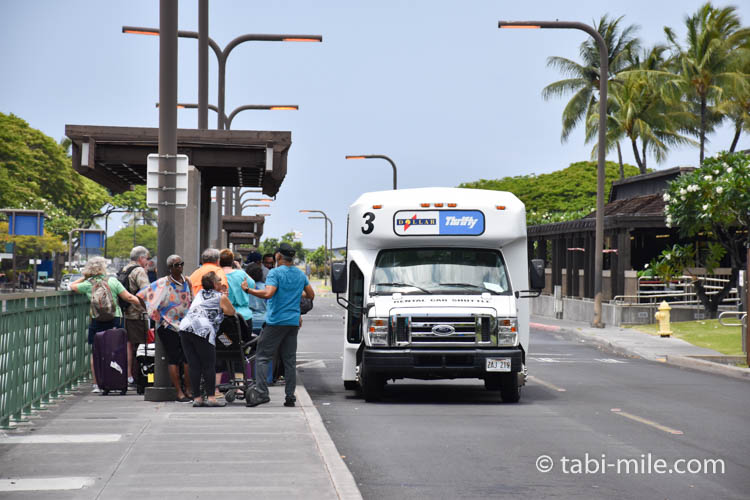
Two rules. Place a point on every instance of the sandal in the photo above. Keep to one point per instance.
(215, 404)
(184, 399)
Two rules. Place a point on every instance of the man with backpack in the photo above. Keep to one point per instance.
(104, 294)
(134, 278)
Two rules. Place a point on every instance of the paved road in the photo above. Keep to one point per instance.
(451, 439)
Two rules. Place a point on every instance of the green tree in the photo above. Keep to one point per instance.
(297, 245)
(708, 64)
(31, 246)
(36, 173)
(269, 245)
(121, 243)
(317, 257)
(583, 78)
(557, 196)
(714, 200)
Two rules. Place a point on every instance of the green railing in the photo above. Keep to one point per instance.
(44, 352)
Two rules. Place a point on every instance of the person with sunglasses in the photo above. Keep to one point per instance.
(167, 302)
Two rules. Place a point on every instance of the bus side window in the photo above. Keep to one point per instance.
(356, 298)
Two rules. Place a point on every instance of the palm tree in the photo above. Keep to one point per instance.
(708, 65)
(736, 106)
(639, 112)
(583, 79)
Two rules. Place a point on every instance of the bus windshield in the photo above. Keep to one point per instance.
(440, 271)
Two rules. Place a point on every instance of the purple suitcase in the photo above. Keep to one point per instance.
(111, 360)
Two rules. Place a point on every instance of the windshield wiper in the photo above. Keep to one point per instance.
(403, 285)
(469, 285)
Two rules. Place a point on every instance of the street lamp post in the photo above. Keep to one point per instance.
(382, 157)
(235, 111)
(600, 172)
(330, 235)
(325, 239)
(222, 55)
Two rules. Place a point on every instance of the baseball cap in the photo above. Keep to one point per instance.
(286, 250)
(253, 257)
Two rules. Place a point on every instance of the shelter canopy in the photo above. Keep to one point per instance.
(115, 157)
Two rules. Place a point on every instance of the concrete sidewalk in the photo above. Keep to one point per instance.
(633, 343)
(90, 446)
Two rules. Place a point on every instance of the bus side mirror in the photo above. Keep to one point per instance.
(536, 274)
(338, 277)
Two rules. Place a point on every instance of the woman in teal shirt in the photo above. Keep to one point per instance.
(235, 278)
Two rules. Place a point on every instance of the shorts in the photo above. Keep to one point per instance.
(170, 339)
(99, 326)
(136, 330)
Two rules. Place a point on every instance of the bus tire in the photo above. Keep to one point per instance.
(493, 382)
(351, 385)
(510, 391)
(371, 385)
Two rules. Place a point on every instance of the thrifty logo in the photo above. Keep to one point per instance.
(414, 221)
(466, 220)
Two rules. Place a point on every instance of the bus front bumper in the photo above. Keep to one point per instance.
(441, 363)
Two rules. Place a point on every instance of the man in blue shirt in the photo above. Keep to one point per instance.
(285, 286)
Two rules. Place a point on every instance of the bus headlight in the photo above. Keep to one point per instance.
(377, 329)
(507, 331)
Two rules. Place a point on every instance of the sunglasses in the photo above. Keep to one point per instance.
(178, 264)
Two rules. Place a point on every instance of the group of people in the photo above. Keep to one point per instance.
(188, 313)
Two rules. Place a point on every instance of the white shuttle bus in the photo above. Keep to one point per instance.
(434, 287)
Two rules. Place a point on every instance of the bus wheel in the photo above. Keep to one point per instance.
(510, 391)
(371, 385)
(350, 385)
(493, 382)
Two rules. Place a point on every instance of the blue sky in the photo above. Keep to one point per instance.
(433, 84)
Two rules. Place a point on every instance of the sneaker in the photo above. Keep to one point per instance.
(253, 398)
(289, 402)
(131, 381)
(96, 389)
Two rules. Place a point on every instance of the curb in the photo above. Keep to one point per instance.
(709, 367)
(681, 361)
(341, 476)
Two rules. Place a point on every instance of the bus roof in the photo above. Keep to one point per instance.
(436, 216)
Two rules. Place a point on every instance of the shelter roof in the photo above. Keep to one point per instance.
(115, 157)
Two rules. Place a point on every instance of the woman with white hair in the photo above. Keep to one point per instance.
(96, 271)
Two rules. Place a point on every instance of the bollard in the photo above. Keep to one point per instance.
(662, 316)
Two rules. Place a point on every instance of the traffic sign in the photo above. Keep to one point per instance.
(155, 181)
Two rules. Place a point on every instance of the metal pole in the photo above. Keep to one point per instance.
(600, 170)
(325, 249)
(203, 64)
(106, 232)
(135, 220)
(162, 389)
(219, 212)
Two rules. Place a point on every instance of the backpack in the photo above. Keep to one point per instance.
(103, 306)
(122, 277)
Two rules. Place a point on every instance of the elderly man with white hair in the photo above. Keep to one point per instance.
(96, 270)
(135, 278)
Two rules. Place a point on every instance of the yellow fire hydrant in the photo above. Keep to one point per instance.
(662, 316)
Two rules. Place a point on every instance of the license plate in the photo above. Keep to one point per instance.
(150, 378)
(498, 364)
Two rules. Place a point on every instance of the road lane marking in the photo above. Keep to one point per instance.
(60, 438)
(545, 384)
(546, 360)
(45, 483)
(318, 363)
(610, 360)
(651, 423)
